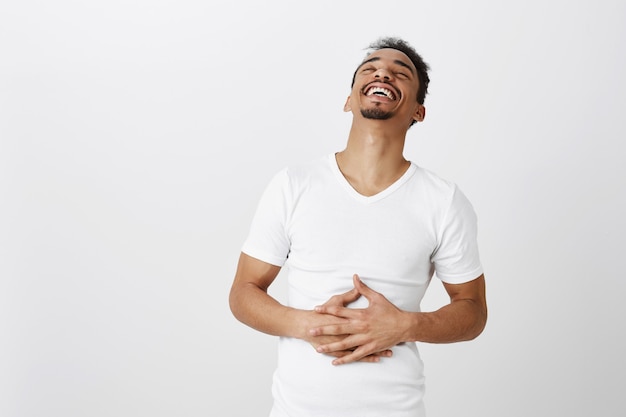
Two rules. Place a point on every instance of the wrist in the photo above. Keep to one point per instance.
(300, 323)
(411, 322)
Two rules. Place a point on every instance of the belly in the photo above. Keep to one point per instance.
(307, 384)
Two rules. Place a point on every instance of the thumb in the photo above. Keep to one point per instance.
(360, 286)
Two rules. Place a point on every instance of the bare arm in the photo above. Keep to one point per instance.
(463, 319)
(382, 325)
(253, 306)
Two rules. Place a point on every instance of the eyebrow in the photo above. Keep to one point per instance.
(396, 61)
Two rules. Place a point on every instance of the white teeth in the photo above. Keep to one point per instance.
(381, 90)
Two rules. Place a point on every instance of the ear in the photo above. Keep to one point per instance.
(347, 107)
(420, 113)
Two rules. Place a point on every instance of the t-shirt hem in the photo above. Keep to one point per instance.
(460, 278)
(263, 256)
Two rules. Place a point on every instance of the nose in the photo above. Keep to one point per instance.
(382, 73)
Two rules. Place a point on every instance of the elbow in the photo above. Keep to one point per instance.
(479, 324)
(234, 303)
(240, 302)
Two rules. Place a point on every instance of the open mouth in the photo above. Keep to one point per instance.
(381, 92)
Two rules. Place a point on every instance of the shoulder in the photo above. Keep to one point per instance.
(308, 168)
(433, 184)
(440, 192)
(303, 174)
(293, 180)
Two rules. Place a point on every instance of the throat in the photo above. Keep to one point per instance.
(371, 179)
(367, 189)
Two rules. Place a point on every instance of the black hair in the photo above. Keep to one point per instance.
(402, 46)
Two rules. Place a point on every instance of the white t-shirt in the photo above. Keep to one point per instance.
(313, 222)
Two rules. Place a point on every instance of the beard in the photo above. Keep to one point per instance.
(376, 114)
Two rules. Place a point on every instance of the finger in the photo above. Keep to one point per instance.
(375, 357)
(338, 354)
(355, 356)
(363, 354)
(343, 299)
(387, 353)
(370, 359)
(343, 345)
(362, 288)
(329, 330)
(335, 310)
(349, 297)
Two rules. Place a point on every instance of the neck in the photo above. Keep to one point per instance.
(373, 158)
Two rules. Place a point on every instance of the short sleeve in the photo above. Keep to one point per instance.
(456, 258)
(267, 239)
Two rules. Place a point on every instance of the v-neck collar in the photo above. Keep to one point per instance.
(332, 160)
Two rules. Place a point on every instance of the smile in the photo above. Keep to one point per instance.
(381, 92)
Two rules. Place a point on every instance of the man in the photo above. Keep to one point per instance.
(362, 231)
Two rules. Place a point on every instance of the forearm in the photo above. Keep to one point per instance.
(456, 322)
(254, 307)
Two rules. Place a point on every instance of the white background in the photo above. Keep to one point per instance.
(136, 137)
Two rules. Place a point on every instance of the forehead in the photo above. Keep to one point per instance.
(390, 55)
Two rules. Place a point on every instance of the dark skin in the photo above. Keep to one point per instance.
(372, 161)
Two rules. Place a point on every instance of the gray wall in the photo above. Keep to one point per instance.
(136, 138)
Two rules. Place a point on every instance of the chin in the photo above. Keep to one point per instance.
(376, 114)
